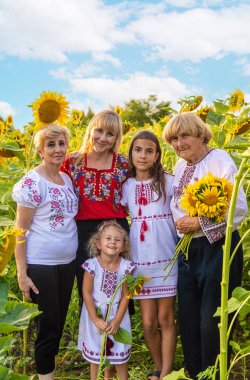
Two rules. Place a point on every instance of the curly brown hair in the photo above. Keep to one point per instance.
(92, 244)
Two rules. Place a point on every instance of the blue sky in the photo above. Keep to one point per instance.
(99, 53)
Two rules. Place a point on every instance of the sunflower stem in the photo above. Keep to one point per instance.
(223, 325)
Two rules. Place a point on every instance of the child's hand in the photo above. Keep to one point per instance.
(101, 325)
(112, 327)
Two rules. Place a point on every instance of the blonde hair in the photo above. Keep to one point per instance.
(106, 119)
(50, 131)
(92, 244)
(188, 123)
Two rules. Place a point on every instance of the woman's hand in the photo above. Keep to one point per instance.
(25, 284)
(188, 224)
(113, 327)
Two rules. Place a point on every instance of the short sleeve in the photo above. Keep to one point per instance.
(27, 191)
(89, 266)
(130, 267)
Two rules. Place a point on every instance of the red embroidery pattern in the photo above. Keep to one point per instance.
(213, 231)
(184, 181)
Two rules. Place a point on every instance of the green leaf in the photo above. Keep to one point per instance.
(98, 312)
(17, 316)
(219, 138)
(220, 107)
(214, 119)
(175, 375)
(4, 207)
(233, 305)
(240, 293)
(7, 374)
(13, 148)
(6, 221)
(6, 343)
(123, 336)
(4, 291)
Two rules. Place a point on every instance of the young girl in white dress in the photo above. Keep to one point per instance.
(147, 194)
(109, 248)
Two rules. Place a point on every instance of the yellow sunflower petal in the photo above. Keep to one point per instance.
(49, 108)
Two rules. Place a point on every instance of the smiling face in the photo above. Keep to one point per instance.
(190, 148)
(144, 155)
(54, 150)
(102, 139)
(111, 242)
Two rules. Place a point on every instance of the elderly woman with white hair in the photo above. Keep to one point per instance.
(45, 254)
(199, 276)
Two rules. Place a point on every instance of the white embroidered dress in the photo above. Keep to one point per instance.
(52, 235)
(105, 283)
(219, 163)
(153, 236)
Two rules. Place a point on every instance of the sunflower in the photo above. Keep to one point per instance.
(135, 284)
(212, 203)
(118, 110)
(2, 127)
(76, 117)
(203, 111)
(9, 121)
(189, 200)
(242, 127)
(236, 100)
(49, 108)
(192, 104)
(7, 246)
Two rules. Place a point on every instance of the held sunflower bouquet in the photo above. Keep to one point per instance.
(209, 197)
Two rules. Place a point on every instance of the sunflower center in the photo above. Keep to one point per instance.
(49, 111)
(192, 202)
(210, 200)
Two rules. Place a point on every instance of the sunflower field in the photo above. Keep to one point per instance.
(229, 120)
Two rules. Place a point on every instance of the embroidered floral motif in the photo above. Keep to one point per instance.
(33, 196)
(109, 280)
(98, 185)
(184, 181)
(115, 357)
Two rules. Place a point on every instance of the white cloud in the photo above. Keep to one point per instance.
(106, 91)
(56, 30)
(50, 30)
(6, 109)
(194, 34)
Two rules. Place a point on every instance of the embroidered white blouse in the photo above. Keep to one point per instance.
(219, 163)
(52, 236)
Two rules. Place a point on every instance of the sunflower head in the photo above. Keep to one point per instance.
(192, 103)
(135, 284)
(9, 121)
(203, 111)
(189, 200)
(76, 117)
(51, 107)
(236, 100)
(7, 246)
(118, 110)
(2, 127)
